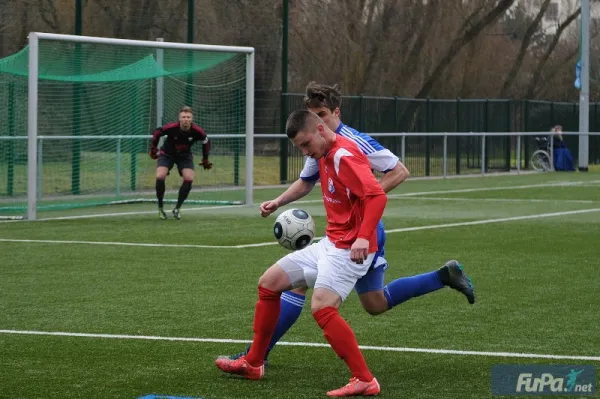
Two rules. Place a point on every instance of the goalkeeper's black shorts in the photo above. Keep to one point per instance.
(183, 160)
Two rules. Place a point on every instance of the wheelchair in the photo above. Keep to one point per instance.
(540, 159)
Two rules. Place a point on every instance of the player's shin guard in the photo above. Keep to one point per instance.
(184, 191)
(265, 320)
(291, 307)
(160, 191)
(343, 341)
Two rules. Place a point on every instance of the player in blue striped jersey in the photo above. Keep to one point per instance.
(375, 298)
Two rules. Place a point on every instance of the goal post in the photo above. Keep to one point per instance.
(92, 104)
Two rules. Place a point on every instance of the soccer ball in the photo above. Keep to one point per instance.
(294, 229)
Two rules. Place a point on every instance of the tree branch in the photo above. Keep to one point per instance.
(460, 42)
(531, 29)
(542, 63)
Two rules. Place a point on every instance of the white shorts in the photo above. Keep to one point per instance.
(322, 265)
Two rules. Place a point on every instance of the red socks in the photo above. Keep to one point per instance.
(343, 341)
(265, 321)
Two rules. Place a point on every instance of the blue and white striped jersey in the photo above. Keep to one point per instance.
(380, 158)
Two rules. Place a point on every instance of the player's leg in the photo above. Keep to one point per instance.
(163, 165)
(185, 166)
(337, 276)
(287, 273)
(370, 290)
(270, 285)
(291, 306)
(377, 299)
(292, 303)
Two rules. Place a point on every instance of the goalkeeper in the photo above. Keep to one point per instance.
(176, 150)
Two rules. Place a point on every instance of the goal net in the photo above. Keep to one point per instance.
(79, 112)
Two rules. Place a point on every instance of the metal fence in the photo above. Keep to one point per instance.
(374, 115)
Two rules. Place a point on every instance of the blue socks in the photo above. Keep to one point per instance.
(403, 289)
(291, 307)
(396, 292)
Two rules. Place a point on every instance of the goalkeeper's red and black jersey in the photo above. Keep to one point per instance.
(179, 141)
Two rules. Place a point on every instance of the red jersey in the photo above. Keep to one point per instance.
(179, 141)
(354, 200)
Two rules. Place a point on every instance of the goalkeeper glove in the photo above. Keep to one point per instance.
(154, 153)
(205, 164)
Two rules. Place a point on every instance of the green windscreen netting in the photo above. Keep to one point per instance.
(97, 106)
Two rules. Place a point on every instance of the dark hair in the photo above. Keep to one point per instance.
(319, 95)
(299, 120)
(186, 108)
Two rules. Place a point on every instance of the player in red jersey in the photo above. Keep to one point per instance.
(177, 151)
(354, 203)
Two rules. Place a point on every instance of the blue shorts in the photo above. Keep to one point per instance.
(373, 280)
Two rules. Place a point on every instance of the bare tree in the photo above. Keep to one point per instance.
(527, 37)
(472, 26)
(537, 73)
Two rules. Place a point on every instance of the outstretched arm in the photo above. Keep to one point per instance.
(294, 192)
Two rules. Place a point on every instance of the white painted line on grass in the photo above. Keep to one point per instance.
(116, 243)
(132, 213)
(498, 188)
(309, 344)
(499, 220)
(265, 244)
(526, 200)
(391, 196)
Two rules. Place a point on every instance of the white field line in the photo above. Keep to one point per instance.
(265, 244)
(309, 344)
(526, 200)
(391, 196)
(101, 215)
(498, 188)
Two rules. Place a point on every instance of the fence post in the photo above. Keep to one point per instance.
(403, 149)
(118, 168)
(519, 154)
(361, 114)
(189, 88)
(486, 127)
(76, 145)
(445, 157)
(236, 142)
(508, 143)
(526, 128)
(283, 143)
(40, 168)
(427, 124)
(483, 157)
(457, 129)
(134, 145)
(10, 178)
(397, 125)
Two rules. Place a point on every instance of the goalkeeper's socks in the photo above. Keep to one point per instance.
(403, 289)
(160, 192)
(184, 191)
(343, 341)
(265, 320)
(291, 307)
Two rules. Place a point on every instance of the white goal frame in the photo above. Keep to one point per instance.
(32, 105)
